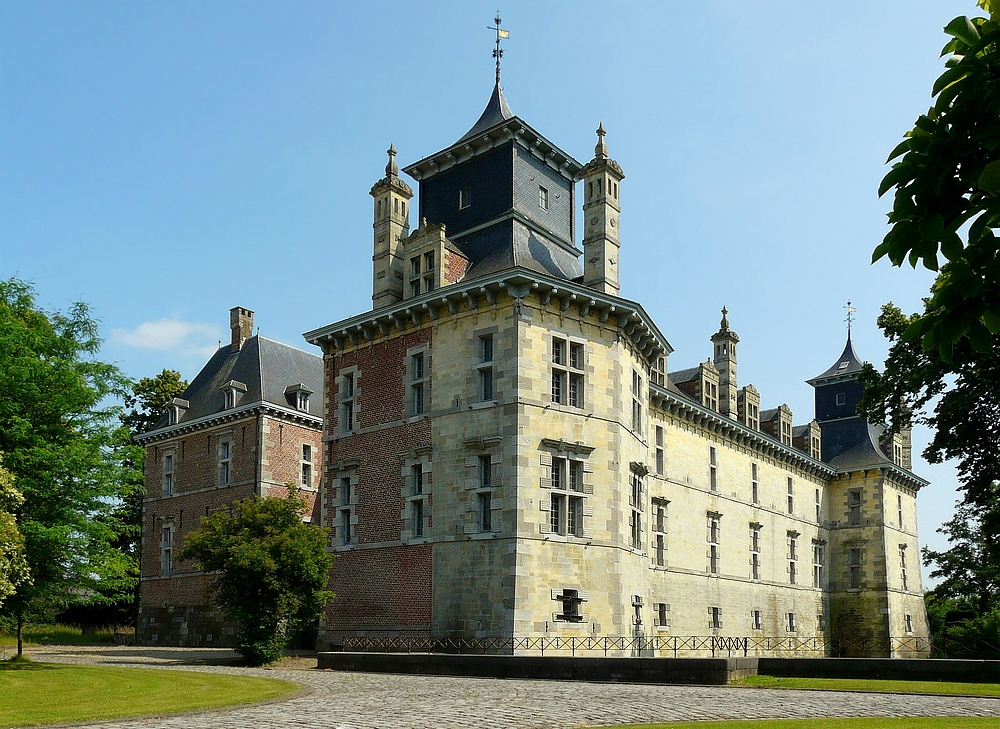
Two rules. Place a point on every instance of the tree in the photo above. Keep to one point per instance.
(947, 184)
(70, 460)
(144, 405)
(271, 567)
(969, 574)
(13, 567)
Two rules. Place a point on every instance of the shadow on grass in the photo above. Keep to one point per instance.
(25, 664)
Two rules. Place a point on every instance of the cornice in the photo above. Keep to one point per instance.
(226, 416)
(734, 430)
(517, 283)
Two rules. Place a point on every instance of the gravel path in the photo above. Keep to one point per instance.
(338, 700)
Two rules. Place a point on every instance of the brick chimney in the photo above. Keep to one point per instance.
(241, 324)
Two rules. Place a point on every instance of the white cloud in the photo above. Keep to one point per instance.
(187, 338)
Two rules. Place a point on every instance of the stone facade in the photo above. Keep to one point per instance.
(508, 456)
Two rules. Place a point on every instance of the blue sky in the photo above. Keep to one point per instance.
(167, 161)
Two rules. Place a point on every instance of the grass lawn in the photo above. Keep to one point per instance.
(47, 693)
(59, 635)
(933, 722)
(849, 684)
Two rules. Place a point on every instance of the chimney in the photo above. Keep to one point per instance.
(241, 324)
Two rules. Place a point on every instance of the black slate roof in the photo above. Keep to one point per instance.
(848, 364)
(496, 111)
(865, 454)
(685, 375)
(266, 367)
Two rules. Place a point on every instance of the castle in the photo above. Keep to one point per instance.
(506, 454)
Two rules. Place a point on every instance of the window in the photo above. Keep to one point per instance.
(417, 508)
(786, 432)
(819, 563)
(167, 551)
(902, 566)
(659, 451)
(414, 266)
(418, 375)
(567, 373)
(659, 529)
(755, 551)
(909, 623)
(566, 510)
(658, 372)
(485, 511)
(841, 398)
(464, 198)
(815, 447)
(347, 401)
(755, 623)
(635, 514)
(225, 461)
(660, 611)
(899, 510)
(854, 568)
(821, 623)
(230, 398)
(168, 474)
(715, 618)
(570, 606)
(486, 367)
(817, 507)
(854, 507)
(713, 469)
(791, 495)
(543, 198)
(793, 557)
(713, 543)
(636, 402)
(417, 479)
(346, 499)
(711, 395)
(791, 622)
(307, 467)
(754, 484)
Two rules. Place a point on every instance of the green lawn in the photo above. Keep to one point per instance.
(46, 693)
(848, 684)
(58, 635)
(934, 722)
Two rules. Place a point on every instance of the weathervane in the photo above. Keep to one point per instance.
(850, 316)
(498, 51)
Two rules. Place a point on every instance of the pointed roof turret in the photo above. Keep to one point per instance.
(496, 112)
(391, 168)
(849, 364)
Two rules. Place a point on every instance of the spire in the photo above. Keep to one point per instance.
(496, 112)
(850, 318)
(498, 51)
(601, 150)
(391, 169)
(724, 326)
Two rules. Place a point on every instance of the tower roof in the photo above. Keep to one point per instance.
(496, 112)
(847, 364)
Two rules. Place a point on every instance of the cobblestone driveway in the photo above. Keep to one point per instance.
(336, 700)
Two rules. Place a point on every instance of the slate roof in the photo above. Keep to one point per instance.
(496, 111)
(847, 364)
(865, 454)
(266, 367)
(499, 248)
(686, 375)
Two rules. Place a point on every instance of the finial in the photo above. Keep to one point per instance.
(601, 150)
(391, 169)
(850, 317)
(498, 51)
(725, 320)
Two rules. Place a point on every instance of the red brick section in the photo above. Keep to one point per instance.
(455, 266)
(381, 588)
(283, 460)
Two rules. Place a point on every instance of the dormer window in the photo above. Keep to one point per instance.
(175, 410)
(298, 397)
(843, 365)
(233, 391)
(464, 198)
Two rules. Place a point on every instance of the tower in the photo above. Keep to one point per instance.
(392, 197)
(602, 177)
(724, 357)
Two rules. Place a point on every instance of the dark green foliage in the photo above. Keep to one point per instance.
(144, 404)
(71, 461)
(271, 567)
(947, 185)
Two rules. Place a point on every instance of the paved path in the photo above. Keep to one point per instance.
(336, 700)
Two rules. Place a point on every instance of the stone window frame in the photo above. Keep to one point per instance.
(855, 568)
(790, 623)
(754, 483)
(637, 473)
(339, 475)
(902, 567)
(307, 470)
(756, 529)
(821, 623)
(168, 482)
(481, 367)
(418, 383)
(791, 541)
(713, 468)
(478, 489)
(715, 621)
(412, 533)
(661, 619)
(790, 481)
(660, 451)
(658, 555)
(714, 539)
(562, 370)
(348, 402)
(233, 392)
(224, 457)
(551, 450)
(855, 508)
(756, 622)
(543, 197)
(638, 398)
(819, 563)
(573, 597)
(899, 511)
(909, 623)
(167, 540)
